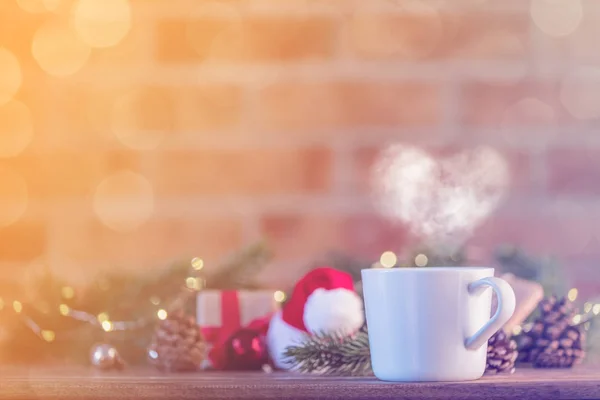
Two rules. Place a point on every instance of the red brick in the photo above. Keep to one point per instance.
(364, 158)
(425, 32)
(488, 105)
(66, 174)
(307, 237)
(209, 107)
(249, 172)
(346, 105)
(573, 172)
(556, 234)
(22, 241)
(155, 244)
(250, 39)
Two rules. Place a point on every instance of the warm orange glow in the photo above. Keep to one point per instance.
(123, 201)
(102, 23)
(57, 49)
(16, 128)
(10, 75)
(33, 6)
(13, 197)
(141, 118)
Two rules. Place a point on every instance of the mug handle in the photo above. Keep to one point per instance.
(505, 310)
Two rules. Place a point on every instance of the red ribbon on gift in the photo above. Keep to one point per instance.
(231, 322)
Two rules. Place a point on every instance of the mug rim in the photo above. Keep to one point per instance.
(426, 269)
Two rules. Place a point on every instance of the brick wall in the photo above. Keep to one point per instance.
(212, 124)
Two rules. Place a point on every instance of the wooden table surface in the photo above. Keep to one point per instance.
(61, 383)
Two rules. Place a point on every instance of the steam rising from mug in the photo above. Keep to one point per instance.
(441, 201)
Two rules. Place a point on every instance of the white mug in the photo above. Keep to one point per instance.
(432, 324)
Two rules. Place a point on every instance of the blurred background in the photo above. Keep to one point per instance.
(138, 132)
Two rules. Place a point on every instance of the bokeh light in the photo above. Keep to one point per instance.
(10, 75)
(38, 6)
(16, 128)
(124, 200)
(17, 306)
(556, 18)
(141, 118)
(421, 260)
(580, 92)
(572, 294)
(388, 259)
(102, 23)
(13, 197)
(279, 296)
(162, 314)
(57, 49)
(197, 263)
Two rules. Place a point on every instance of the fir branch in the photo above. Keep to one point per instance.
(241, 269)
(332, 354)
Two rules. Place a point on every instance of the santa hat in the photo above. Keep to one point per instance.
(323, 287)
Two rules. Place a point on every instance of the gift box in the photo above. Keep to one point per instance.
(221, 313)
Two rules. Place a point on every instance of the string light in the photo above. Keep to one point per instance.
(193, 283)
(63, 309)
(421, 260)
(102, 317)
(197, 263)
(67, 292)
(108, 326)
(572, 295)
(161, 314)
(388, 259)
(576, 319)
(48, 336)
(596, 309)
(17, 306)
(279, 296)
(587, 307)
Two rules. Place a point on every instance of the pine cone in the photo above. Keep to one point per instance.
(501, 354)
(551, 342)
(177, 345)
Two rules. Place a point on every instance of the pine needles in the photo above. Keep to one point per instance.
(332, 354)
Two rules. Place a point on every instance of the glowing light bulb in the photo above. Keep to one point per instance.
(161, 314)
(102, 23)
(64, 309)
(279, 296)
(572, 295)
(197, 263)
(388, 259)
(421, 260)
(108, 326)
(193, 283)
(48, 336)
(10, 75)
(102, 317)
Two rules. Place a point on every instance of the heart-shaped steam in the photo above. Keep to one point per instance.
(442, 201)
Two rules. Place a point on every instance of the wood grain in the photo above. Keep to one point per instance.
(63, 383)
